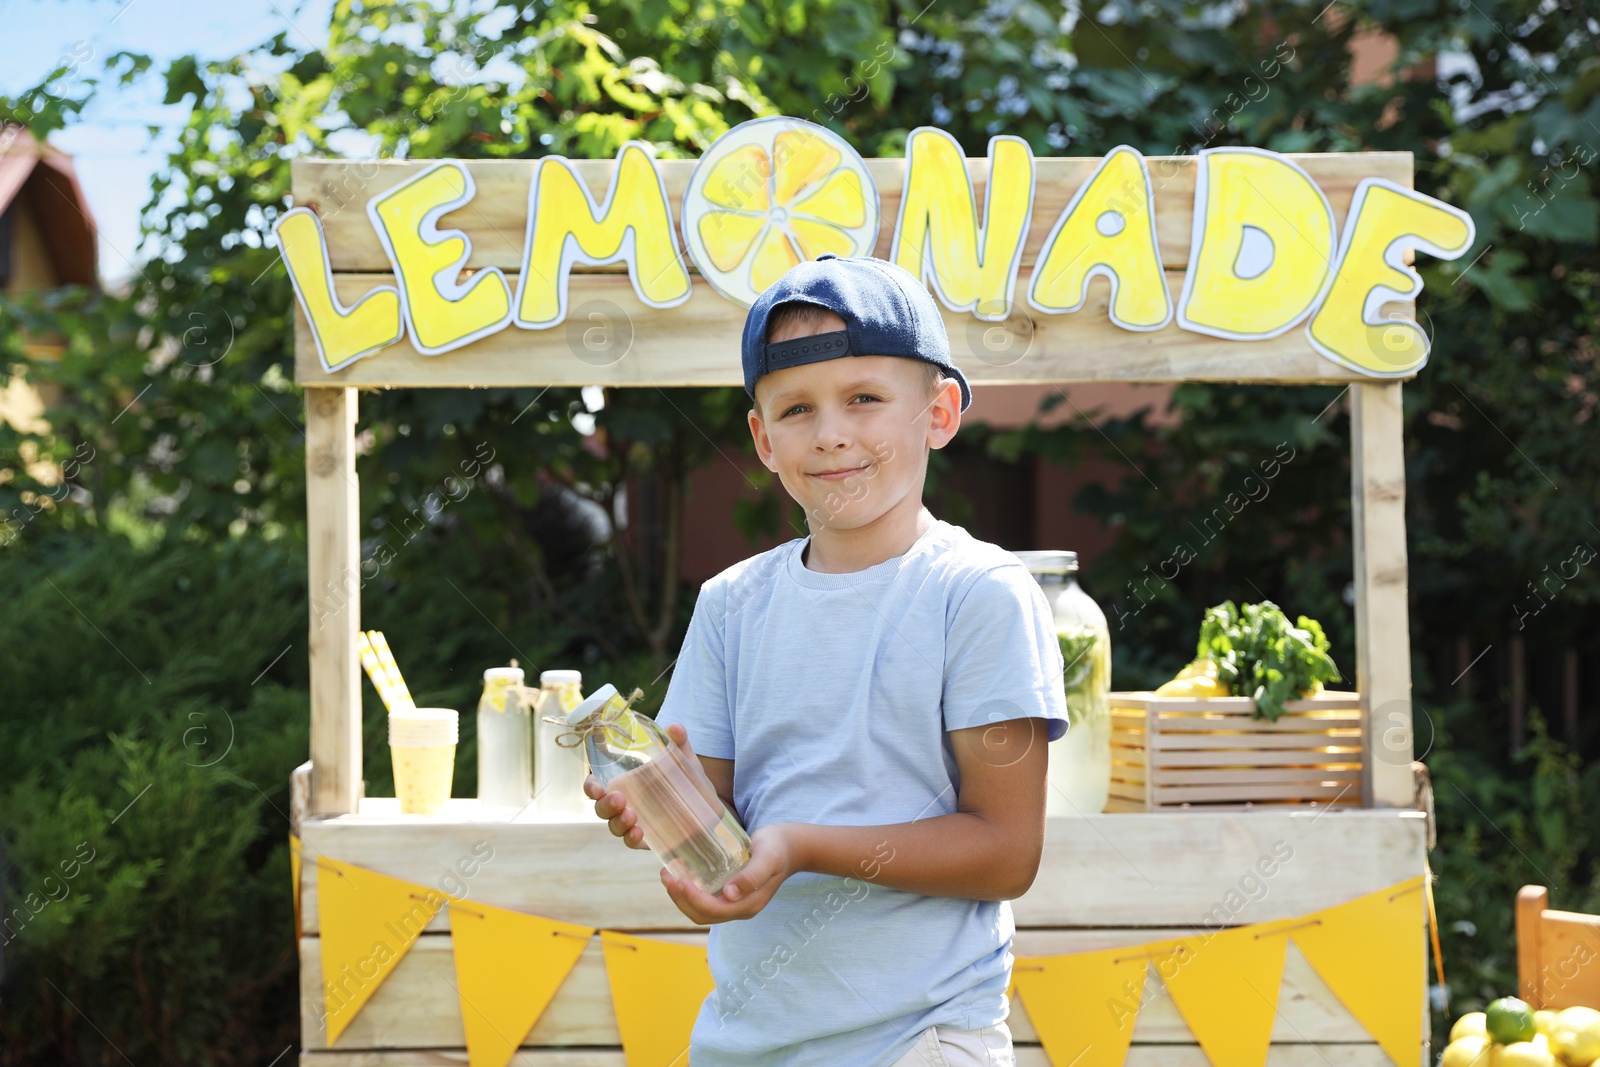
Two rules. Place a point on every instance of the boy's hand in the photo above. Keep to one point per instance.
(774, 856)
(613, 806)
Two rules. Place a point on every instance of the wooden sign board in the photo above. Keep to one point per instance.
(1233, 265)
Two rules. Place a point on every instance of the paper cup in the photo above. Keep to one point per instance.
(424, 726)
(422, 746)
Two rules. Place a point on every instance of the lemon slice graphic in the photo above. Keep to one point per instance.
(772, 193)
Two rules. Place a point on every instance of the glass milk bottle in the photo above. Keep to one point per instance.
(685, 823)
(557, 777)
(1080, 762)
(505, 741)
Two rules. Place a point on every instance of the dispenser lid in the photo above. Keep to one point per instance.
(560, 677)
(591, 704)
(1050, 561)
(503, 674)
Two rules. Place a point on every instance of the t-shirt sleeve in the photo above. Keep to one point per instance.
(697, 690)
(1002, 659)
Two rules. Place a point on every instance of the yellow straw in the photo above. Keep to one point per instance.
(375, 672)
(395, 703)
(391, 669)
(369, 662)
(380, 645)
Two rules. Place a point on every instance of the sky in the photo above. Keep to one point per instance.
(111, 145)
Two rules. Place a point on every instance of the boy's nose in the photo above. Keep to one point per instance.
(832, 433)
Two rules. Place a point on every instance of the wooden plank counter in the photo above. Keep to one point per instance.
(1105, 880)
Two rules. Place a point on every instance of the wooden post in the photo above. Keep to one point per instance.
(333, 546)
(1532, 900)
(1383, 630)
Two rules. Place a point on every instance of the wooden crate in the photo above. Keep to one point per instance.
(1170, 753)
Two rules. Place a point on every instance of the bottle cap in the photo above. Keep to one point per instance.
(560, 677)
(503, 674)
(591, 704)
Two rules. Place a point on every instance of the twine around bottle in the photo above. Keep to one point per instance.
(609, 717)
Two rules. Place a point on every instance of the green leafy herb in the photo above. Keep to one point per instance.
(1077, 644)
(1258, 654)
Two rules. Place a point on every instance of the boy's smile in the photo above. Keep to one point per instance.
(840, 474)
(849, 439)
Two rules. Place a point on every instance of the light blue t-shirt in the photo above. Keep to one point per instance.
(833, 694)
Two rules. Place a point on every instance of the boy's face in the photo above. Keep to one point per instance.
(849, 437)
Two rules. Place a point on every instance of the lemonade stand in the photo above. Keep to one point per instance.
(1275, 930)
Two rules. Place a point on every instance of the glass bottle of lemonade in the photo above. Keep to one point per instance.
(557, 777)
(1080, 762)
(505, 741)
(685, 823)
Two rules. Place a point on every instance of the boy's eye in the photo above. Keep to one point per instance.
(800, 407)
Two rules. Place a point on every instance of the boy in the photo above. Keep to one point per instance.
(872, 702)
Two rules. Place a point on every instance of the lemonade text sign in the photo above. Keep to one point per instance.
(1236, 244)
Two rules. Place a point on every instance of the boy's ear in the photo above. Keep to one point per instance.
(944, 414)
(758, 433)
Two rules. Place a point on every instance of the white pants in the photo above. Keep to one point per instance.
(939, 1046)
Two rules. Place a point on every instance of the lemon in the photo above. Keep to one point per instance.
(1578, 1017)
(772, 193)
(1469, 1051)
(1576, 1037)
(1509, 1021)
(1469, 1025)
(1523, 1054)
(1198, 680)
(1544, 1021)
(1564, 1043)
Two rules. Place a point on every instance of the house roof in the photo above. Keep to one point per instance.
(57, 200)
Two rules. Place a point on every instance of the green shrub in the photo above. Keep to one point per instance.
(154, 706)
(148, 911)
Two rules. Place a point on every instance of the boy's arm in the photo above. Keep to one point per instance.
(987, 849)
(720, 771)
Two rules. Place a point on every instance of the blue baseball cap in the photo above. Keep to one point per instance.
(886, 312)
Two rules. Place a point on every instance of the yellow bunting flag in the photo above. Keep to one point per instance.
(1084, 1005)
(1226, 988)
(1370, 952)
(508, 966)
(368, 922)
(657, 988)
(294, 873)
